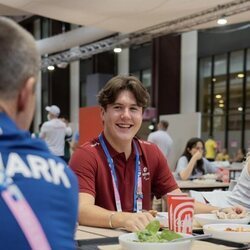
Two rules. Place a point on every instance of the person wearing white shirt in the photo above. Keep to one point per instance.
(161, 138)
(241, 193)
(54, 131)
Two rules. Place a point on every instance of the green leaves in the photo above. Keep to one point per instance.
(151, 233)
(153, 227)
(169, 235)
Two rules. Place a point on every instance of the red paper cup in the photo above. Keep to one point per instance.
(169, 200)
(180, 213)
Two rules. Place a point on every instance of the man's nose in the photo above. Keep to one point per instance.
(126, 113)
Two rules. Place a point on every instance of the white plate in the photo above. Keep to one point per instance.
(218, 232)
(162, 217)
(204, 219)
(127, 242)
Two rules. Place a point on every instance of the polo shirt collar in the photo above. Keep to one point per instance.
(114, 153)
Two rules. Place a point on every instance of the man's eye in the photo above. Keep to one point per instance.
(134, 108)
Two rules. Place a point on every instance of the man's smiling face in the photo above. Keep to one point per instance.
(122, 119)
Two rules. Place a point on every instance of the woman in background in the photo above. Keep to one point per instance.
(192, 164)
(240, 155)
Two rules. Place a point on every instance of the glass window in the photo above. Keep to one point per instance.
(146, 79)
(235, 101)
(205, 84)
(247, 107)
(219, 98)
(236, 82)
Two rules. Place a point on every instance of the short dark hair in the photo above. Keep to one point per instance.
(164, 124)
(108, 94)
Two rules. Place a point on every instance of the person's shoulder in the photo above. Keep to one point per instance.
(183, 158)
(46, 123)
(147, 146)
(91, 146)
(144, 143)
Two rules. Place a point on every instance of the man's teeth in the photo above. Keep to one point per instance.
(124, 126)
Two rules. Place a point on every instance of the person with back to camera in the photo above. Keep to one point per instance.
(38, 202)
(54, 131)
(161, 138)
(192, 164)
(117, 172)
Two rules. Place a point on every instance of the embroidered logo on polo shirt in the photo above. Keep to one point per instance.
(145, 173)
(95, 144)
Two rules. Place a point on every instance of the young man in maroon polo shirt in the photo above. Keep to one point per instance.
(118, 174)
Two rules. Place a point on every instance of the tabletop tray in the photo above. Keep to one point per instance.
(227, 243)
(92, 244)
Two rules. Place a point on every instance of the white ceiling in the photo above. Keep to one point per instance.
(117, 15)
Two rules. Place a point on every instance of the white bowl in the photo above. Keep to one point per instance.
(218, 232)
(204, 219)
(127, 242)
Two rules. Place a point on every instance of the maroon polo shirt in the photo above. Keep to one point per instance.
(91, 167)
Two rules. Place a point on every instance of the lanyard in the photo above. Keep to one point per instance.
(23, 213)
(138, 196)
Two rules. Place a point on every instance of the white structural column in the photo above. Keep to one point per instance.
(74, 93)
(38, 113)
(123, 62)
(189, 50)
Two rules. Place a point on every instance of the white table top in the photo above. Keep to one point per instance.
(201, 185)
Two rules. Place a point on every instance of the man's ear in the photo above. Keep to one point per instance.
(25, 93)
(102, 110)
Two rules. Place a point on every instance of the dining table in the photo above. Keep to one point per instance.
(202, 185)
(94, 238)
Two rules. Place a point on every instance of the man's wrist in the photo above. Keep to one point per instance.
(110, 220)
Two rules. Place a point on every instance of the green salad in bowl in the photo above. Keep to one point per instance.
(151, 233)
(152, 239)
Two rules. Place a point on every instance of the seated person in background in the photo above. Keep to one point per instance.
(117, 172)
(222, 156)
(240, 195)
(240, 155)
(211, 148)
(38, 201)
(241, 192)
(192, 164)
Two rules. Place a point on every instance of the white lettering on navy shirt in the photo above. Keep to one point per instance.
(37, 168)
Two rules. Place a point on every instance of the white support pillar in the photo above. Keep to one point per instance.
(74, 93)
(38, 114)
(189, 50)
(123, 62)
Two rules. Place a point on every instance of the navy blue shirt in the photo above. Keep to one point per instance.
(47, 183)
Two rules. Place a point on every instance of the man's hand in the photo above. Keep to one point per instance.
(133, 221)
